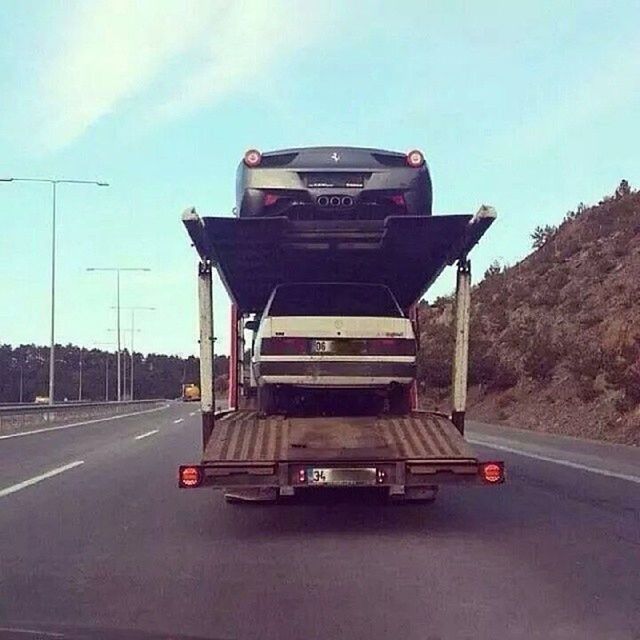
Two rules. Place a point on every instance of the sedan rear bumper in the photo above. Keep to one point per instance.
(335, 373)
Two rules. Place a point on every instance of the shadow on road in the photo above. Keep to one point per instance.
(362, 511)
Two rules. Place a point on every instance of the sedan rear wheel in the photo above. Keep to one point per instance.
(267, 399)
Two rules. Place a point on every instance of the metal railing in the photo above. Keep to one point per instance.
(18, 418)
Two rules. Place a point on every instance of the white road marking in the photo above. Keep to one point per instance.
(178, 420)
(193, 413)
(564, 463)
(49, 474)
(79, 424)
(146, 435)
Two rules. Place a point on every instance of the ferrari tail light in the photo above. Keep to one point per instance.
(415, 158)
(252, 158)
(270, 198)
(190, 476)
(398, 200)
(284, 346)
(492, 472)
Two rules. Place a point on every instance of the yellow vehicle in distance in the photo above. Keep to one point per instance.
(190, 393)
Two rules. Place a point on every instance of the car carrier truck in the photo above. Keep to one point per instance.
(253, 456)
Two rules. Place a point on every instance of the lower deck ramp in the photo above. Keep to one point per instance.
(244, 436)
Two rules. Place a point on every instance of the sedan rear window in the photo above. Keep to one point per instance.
(334, 300)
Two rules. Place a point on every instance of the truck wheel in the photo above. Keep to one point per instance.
(267, 400)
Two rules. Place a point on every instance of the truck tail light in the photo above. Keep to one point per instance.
(284, 346)
(391, 347)
(415, 158)
(252, 158)
(492, 472)
(190, 476)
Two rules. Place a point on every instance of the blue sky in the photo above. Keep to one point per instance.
(529, 106)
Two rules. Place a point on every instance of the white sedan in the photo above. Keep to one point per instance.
(333, 336)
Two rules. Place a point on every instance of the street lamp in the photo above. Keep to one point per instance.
(54, 183)
(118, 270)
(133, 330)
(125, 383)
(106, 368)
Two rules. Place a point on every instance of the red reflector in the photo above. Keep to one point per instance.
(415, 158)
(190, 476)
(270, 198)
(284, 346)
(252, 158)
(492, 472)
(398, 200)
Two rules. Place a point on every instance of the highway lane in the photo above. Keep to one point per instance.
(24, 453)
(555, 553)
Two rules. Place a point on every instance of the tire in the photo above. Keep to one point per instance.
(267, 399)
(400, 401)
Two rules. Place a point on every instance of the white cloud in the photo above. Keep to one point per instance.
(169, 55)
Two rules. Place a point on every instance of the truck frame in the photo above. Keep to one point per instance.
(256, 457)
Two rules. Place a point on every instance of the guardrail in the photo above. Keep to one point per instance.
(18, 418)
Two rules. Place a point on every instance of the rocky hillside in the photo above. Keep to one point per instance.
(555, 339)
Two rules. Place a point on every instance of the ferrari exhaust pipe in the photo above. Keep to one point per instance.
(347, 201)
(323, 201)
(335, 201)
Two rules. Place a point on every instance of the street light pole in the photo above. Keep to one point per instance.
(118, 354)
(119, 379)
(133, 331)
(80, 377)
(52, 341)
(106, 368)
(52, 344)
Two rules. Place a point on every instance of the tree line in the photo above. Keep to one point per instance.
(91, 374)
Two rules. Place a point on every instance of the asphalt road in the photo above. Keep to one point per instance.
(94, 532)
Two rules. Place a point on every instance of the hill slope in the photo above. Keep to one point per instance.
(555, 339)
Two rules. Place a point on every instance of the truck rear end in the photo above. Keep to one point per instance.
(408, 456)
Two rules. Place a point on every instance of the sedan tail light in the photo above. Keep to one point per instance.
(284, 346)
(391, 347)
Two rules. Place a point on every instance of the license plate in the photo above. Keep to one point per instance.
(344, 477)
(318, 347)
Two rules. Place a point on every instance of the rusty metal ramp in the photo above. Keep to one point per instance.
(243, 436)
(406, 253)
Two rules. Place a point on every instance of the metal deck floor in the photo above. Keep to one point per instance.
(242, 436)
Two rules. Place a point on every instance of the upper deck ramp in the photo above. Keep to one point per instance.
(405, 253)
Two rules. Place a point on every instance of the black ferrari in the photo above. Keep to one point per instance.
(332, 183)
